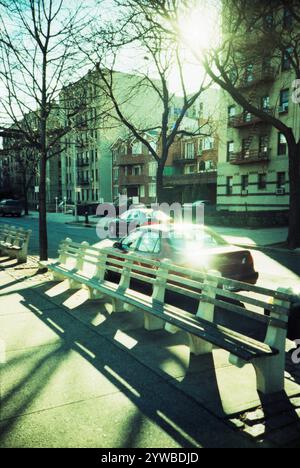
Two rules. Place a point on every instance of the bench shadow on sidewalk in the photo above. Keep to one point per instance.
(159, 351)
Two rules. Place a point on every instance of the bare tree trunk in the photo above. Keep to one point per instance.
(42, 209)
(294, 176)
(160, 183)
(43, 165)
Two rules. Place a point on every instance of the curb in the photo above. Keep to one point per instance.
(80, 224)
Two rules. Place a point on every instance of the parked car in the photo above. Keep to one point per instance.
(134, 218)
(12, 208)
(294, 318)
(192, 246)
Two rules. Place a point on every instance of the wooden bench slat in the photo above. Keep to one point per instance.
(249, 300)
(245, 312)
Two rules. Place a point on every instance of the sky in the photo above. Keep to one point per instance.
(197, 30)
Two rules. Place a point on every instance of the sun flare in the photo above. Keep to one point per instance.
(198, 28)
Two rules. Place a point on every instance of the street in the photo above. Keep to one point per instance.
(276, 268)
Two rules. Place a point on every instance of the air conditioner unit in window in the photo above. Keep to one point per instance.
(280, 191)
(283, 108)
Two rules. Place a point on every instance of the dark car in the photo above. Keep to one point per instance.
(192, 246)
(12, 208)
(294, 318)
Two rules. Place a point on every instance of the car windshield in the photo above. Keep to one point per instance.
(188, 238)
(12, 203)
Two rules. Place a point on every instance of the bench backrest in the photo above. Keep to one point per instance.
(208, 289)
(13, 235)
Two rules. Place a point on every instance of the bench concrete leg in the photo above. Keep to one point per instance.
(152, 323)
(199, 346)
(57, 277)
(236, 361)
(117, 305)
(21, 259)
(130, 308)
(172, 328)
(94, 294)
(270, 374)
(74, 284)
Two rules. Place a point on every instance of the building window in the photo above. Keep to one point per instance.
(245, 182)
(230, 150)
(136, 170)
(201, 108)
(246, 142)
(262, 181)
(286, 59)
(142, 191)
(208, 143)
(281, 180)
(247, 116)
(152, 190)
(209, 165)
(137, 148)
(282, 145)
(263, 144)
(265, 102)
(177, 111)
(249, 77)
(229, 186)
(116, 173)
(189, 169)
(284, 100)
(189, 151)
(231, 111)
(153, 168)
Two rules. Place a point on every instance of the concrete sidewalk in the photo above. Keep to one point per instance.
(69, 383)
(253, 237)
(73, 375)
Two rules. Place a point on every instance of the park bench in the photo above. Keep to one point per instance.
(14, 242)
(87, 266)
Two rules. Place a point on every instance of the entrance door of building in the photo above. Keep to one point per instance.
(132, 192)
